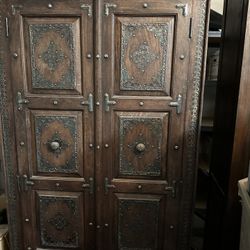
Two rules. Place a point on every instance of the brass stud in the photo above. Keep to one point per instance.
(145, 5)
(141, 103)
(106, 56)
(50, 5)
(55, 102)
(27, 220)
(176, 147)
(97, 104)
(29, 248)
(91, 145)
(139, 187)
(106, 145)
(171, 227)
(15, 55)
(89, 56)
(98, 56)
(57, 184)
(98, 226)
(22, 143)
(106, 225)
(91, 224)
(98, 147)
(182, 57)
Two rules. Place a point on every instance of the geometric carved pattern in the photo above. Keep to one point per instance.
(58, 221)
(144, 48)
(140, 145)
(138, 224)
(52, 56)
(56, 144)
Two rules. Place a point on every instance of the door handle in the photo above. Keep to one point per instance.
(89, 185)
(89, 103)
(108, 102)
(107, 186)
(177, 104)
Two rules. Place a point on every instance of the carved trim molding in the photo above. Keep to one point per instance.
(191, 136)
(7, 144)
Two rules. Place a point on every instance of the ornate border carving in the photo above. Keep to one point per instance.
(192, 130)
(7, 144)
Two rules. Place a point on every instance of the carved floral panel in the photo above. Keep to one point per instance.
(141, 139)
(53, 55)
(58, 217)
(138, 221)
(146, 54)
(56, 144)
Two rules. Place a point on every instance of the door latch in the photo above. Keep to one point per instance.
(107, 186)
(24, 183)
(177, 104)
(21, 101)
(89, 103)
(89, 185)
(108, 102)
(172, 188)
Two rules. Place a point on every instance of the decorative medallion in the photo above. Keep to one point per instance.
(52, 56)
(134, 217)
(140, 146)
(144, 47)
(58, 221)
(56, 143)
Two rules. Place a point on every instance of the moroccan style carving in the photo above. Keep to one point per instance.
(143, 54)
(134, 217)
(191, 136)
(52, 56)
(140, 146)
(59, 214)
(14, 218)
(56, 143)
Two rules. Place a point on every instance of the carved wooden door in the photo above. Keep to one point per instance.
(146, 49)
(53, 83)
(100, 121)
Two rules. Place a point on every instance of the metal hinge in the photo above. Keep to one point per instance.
(172, 188)
(89, 185)
(108, 102)
(21, 101)
(89, 103)
(87, 7)
(107, 7)
(107, 186)
(184, 7)
(7, 27)
(24, 183)
(177, 104)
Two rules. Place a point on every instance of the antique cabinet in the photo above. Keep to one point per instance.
(100, 106)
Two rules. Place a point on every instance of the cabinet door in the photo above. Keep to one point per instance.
(145, 71)
(53, 86)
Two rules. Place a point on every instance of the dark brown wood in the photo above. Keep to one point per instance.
(137, 146)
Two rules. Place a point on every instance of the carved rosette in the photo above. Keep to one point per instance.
(58, 222)
(144, 48)
(140, 146)
(56, 143)
(52, 56)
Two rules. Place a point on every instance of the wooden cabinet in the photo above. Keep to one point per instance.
(100, 111)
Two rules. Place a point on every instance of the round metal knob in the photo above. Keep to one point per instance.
(140, 147)
(145, 5)
(50, 6)
(55, 145)
(15, 55)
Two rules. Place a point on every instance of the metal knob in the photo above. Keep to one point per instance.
(140, 147)
(54, 145)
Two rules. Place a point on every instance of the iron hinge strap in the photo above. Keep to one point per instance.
(89, 185)
(172, 188)
(89, 103)
(107, 186)
(177, 104)
(108, 102)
